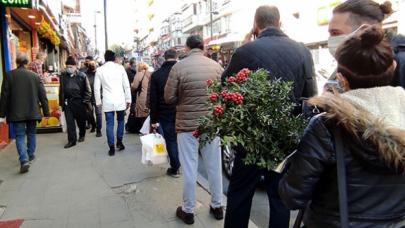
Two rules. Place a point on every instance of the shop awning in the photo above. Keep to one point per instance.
(230, 38)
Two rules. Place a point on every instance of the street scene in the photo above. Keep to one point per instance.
(202, 113)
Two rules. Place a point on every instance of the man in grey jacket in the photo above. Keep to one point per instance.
(187, 88)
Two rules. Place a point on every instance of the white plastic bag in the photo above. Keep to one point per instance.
(63, 122)
(154, 150)
(146, 126)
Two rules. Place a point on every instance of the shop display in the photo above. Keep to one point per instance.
(53, 122)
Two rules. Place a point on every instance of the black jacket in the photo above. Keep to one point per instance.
(131, 74)
(74, 88)
(158, 107)
(282, 57)
(22, 95)
(398, 46)
(91, 75)
(375, 167)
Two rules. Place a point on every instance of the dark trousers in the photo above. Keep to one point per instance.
(168, 130)
(75, 111)
(96, 123)
(242, 186)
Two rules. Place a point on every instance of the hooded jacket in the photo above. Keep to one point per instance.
(372, 124)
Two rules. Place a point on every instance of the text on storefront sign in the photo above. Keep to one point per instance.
(16, 3)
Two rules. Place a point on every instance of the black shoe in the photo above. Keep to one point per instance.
(218, 213)
(98, 134)
(187, 218)
(70, 144)
(111, 152)
(93, 130)
(81, 139)
(173, 173)
(120, 146)
(88, 127)
(24, 167)
(31, 158)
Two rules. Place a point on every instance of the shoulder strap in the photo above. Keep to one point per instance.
(139, 89)
(341, 176)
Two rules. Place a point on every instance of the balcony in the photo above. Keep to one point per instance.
(191, 23)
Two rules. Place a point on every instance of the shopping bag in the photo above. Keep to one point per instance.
(154, 150)
(146, 126)
(63, 122)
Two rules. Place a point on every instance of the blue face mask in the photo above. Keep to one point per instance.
(70, 71)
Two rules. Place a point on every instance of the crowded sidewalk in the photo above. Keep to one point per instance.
(84, 187)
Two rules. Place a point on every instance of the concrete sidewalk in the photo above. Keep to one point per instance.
(84, 187)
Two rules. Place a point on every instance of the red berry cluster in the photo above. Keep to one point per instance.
(242, 75)
(218, 110)
(237, 98)
(213, 97)
(210, 82)
(196, 133)
(231, 79)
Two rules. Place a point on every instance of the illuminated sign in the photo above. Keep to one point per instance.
(16, 3)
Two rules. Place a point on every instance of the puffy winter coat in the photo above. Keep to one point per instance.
(372, 123)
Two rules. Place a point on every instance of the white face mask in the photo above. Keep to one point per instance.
(335, 41)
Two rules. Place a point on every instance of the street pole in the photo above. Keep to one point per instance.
(95, 32)
(105, 25)
(211, 18)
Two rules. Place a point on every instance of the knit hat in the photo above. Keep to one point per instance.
(71, 61)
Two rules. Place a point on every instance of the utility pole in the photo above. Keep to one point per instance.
(211, 18)
(105, 25)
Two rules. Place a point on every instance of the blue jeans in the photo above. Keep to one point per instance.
(22, 129)
(168, 130)
(109, 117)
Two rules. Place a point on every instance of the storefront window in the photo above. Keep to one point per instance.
(22, 36)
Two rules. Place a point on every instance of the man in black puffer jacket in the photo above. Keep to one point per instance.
(284, 59)
(163, 113)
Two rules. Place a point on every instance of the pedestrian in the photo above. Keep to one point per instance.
(75, 99)
(351, 14)
(116, 93)
(366, 121)
(96, 123)
(87, 60)
(131, 72)
(22, 97)
(186, 87)
(37, 66)
(287, 60)
(162, 115)
(140, 87)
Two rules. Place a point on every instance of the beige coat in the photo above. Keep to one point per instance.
(141, 108)
(187, 87)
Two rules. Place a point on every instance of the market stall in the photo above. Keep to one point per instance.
(53, 123)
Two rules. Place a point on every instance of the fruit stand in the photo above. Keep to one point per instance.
(53, 123)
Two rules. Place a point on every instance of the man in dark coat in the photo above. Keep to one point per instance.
(284, 59)
(163, 113)
(75, 99)
(96, 123)
(22, 94)
(131, 72)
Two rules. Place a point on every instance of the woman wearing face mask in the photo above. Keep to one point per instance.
(367, 122)
(74, 97)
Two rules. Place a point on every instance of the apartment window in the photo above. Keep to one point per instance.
(179, 41)
(195, 8)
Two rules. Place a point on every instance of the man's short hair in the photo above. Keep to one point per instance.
(109, 56)
(170, 54)
(22, 59)
(195, 41)
(132, 61)
(267, 16)
(89, 57)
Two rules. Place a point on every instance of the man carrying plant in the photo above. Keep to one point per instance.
(187, 88)
(285, 59)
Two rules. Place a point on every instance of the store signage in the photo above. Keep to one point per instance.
(16, 3)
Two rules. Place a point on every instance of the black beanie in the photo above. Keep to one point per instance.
(71, 61)
(109, 56)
